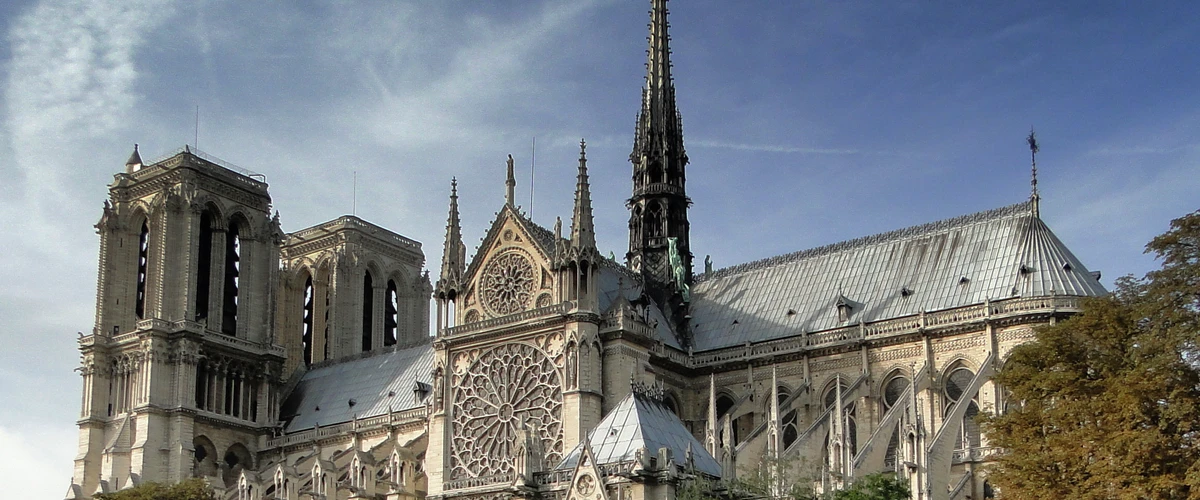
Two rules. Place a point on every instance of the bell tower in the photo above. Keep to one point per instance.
(658, 221)
(181, 355)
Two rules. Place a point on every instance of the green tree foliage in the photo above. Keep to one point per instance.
(1106, 405)
(878, 486)
(192, 489)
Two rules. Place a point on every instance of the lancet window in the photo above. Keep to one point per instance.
(306, 333)
(233, 256)
(143, 261)
(368, 310)
(391, 313)
(956, 386)
(204, 265)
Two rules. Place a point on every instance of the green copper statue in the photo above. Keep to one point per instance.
(677, 270)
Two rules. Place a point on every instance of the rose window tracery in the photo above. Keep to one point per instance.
(504, 390)
(507, 283)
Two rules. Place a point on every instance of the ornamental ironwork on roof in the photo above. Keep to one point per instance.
(997, 254)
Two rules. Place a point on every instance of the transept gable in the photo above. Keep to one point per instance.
(511, 270)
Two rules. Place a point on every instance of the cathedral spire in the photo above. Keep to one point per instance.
(583, 229)
(1034, 197)
(659, 246)
(453, 251)
(510, 185)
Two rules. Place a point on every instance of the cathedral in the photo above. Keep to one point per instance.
(300, 366)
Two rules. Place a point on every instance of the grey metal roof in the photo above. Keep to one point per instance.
(639, 421)
(376, 383)
(997, 254)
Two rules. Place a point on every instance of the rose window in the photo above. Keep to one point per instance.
(507, 284)
(508, 388)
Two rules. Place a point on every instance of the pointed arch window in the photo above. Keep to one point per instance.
(789, 431)
(368, 310)
(204, 265)
(654, 220)
(851, 425)
(306, 334)
(233, 265)
(143, 261)
(391, 313)
(892, 391)
(957, 383)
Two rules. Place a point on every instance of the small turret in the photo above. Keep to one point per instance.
(135, 161)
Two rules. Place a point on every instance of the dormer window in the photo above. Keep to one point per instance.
(421, 389)
(844, 308)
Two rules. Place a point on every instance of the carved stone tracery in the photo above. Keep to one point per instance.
(495, 395)
(507, 283)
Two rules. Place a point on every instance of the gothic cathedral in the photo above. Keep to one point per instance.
(290, 366)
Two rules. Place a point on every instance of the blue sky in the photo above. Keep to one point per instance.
(806, 124)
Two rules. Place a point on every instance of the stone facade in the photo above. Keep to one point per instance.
(299, 366)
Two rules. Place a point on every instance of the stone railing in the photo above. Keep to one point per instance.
(973, 455)
(475, 482)
(887, 328)
(553, 477)
(488, 324)
(387, 419)
(210, 164)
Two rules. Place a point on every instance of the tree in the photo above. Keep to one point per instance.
(877, 486)
(192, 489)
(1106, 404)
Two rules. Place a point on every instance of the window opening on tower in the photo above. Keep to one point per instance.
(391, 317)
(229, 306)
(368, 310)
(142, 267)
(204, 265)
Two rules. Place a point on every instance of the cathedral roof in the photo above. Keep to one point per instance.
(997, 254)
(640, 421)
(375, 383)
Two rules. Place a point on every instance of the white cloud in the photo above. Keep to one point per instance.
(37, 461)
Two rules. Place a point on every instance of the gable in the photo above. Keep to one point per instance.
(510, 272)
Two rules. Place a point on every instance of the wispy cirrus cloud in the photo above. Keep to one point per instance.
(774, 148)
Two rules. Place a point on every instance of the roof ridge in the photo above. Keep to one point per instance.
(1023, 208)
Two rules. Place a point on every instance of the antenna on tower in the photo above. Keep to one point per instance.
(1034, 197)
(196, 136)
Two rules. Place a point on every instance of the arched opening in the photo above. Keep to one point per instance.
(233, 257)
(724, 403)
(655, 171)
(236, 459)
(956, 385)
(203, 380)
(893, 390)
(204, 457)
(306, 333)
(368, 310)
(669, 402)
(204, 265)
(787, 422)
(654, 221)
(850, 429)
(391, 313)
(143, 261)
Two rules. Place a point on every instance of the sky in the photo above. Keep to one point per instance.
(807, 123)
